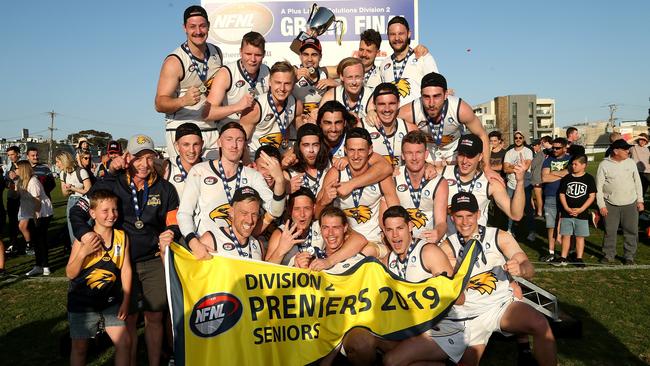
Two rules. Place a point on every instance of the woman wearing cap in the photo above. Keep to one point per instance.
(641, 156)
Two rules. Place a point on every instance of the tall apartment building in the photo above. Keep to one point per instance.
(534, 117)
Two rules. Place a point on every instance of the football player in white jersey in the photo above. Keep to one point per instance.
(424, 199)
(403, 68)
(444, 118)
(364, 205)
(274, 112)
(185, 79)
(312, 80)
(235, 240)
(387, 136)
(209, 187)
(302, 234)
(238, 84)
(412, 260)
(189, 144)
(369, 46)
(466, 176)
(352, 93)
(489, 301)
(309, 164)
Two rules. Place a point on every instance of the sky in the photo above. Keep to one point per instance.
(96, 63)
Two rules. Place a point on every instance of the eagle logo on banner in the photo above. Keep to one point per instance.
(418, 218)
(403, 87)
(361, 214)
(274, 139)
(221, 213)
(99, 277)
(484, 283)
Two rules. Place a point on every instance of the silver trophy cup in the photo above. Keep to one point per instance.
(319, 21)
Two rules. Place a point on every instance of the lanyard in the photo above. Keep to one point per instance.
(416, 195)
(180, 167)
(252, 82)
(314, 188)
(357, 107)
(480, 238)
(336, 148)
(203, 73)
(239, 246)
(224, 181)
(458, 181)
(356, 193)
(134, 198)
(436, 128)
(307, 243)
(402, 266)
(368, 74)
(391, 152)
(398, 74)
(282, 123)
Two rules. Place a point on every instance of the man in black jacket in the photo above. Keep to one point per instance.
(147, 209)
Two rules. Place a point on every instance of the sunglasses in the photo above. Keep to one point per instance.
(518, 138)
(558, 147)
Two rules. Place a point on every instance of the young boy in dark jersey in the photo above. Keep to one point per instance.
(100, 283)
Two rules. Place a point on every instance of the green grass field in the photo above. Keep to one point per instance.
(611, 304)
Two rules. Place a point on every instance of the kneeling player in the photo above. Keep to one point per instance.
(489, 300)
(412, 260)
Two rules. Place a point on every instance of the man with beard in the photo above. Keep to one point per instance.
(189, 144)
(301, 234)
(387, 137)
(369, 46)
(269, 121)
(466, 176)
(185, 80)
(362, 206)
(311, 79)
(521, 154)
(238, 84)
(148, 206)
(311, 162)
(443, 118)
(235, 240)
(209, 186)
(424, 199)
(402, 68)
(352, 94)
(490, 305)
(412, 260)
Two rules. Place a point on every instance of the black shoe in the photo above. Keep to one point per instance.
(547, 258)
(629, 262)
(526, 358)
(559, 261)
(578, 262)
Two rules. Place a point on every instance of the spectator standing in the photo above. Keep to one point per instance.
(641, 156)
(75, 182)
(113, 150)
(36, 210)
(41, 171)
(576, 193)
(13, 200)
(540, 149)
(573, 147)
(612, 137)
(620, 200)
(522, 155)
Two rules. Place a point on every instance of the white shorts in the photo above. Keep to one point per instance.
(210, 148)
(482, 327)
(452, 337)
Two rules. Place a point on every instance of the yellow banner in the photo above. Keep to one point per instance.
(237, 312)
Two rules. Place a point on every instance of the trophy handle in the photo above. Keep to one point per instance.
(314, 7)
(337, 34)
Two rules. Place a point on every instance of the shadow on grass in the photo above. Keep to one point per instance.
(35, 343)
(597, 346)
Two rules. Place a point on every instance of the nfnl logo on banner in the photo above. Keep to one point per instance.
(228, 311)
(281, 21)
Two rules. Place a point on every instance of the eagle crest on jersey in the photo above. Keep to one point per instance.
(394, 160)
(308, 107)
(484, 283)
(221, 213)
(361, 214)
(403, 87)
(418, 218)
(99, 277)
(208, 85)
(274, 139)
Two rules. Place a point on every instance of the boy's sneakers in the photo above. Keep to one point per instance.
(36, 271)
(559, 261)
(547, 258)
(578, 262)
(46, 271)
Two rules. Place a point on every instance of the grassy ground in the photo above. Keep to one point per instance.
(611, 304)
